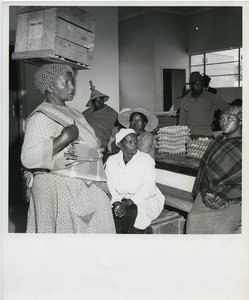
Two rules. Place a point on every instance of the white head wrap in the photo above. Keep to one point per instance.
(123, 132)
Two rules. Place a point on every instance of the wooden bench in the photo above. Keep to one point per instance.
(179, 199)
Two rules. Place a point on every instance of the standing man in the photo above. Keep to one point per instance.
(198, 107)
(100, 116)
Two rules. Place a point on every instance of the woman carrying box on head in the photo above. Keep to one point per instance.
(66, 178)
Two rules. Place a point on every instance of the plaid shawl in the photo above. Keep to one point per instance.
(221, 164)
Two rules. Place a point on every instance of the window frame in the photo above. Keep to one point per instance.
(204, 64)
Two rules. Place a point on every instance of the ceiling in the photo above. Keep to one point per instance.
(125, 12)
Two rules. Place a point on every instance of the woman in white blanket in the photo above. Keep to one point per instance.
(131, 178)
(65, 175)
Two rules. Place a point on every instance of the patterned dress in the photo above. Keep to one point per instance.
(147, 143)
(62, 203)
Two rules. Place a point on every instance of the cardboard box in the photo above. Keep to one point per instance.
(169, 222)
(55, 34)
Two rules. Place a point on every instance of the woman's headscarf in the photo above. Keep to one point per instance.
(46, 74)
(123, 132)
(233, 110)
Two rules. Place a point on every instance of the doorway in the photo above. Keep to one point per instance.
(173, 82)
(23, 98)
(17, 205)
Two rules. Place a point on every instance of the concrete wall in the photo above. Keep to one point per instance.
(218, 28)
(170, 49)
(147, 44)
(105, 70)
(230, 94)
(136, 61)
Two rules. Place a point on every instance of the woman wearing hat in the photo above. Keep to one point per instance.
(198, 107)
(217, 188)
(143, 122)
(65, 175)
(131, 179)
(100, 116)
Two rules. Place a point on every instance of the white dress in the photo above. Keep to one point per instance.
(61, 204)
(135, 180)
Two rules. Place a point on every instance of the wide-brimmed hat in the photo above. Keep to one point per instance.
(124, 118)
(195, 76)
(95, 94)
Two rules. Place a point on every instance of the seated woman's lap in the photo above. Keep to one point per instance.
(125, 224)
(203, 220)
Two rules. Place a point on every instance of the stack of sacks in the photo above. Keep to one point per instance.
(196, 148)
(173, 139)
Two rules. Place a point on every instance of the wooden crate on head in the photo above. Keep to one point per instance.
(50, 34)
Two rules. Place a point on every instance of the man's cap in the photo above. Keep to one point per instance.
(195, 76)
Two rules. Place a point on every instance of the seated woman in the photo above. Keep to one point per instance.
(143, 122)
(131, 179)
(217, 207)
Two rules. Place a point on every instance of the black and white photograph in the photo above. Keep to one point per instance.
(122, 154)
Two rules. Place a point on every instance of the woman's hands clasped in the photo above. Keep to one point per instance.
(213, 201)
(120, 208)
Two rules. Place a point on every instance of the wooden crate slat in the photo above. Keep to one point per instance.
(39, 61)
(75, 34)
(33, 54)
(73, 14)
(55, 33)
(49, 29)
(172, 227)
(168, 222)
(21, 31)
(73, 52)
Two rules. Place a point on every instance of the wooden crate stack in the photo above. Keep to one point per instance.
(169, 222)
(55, 34)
